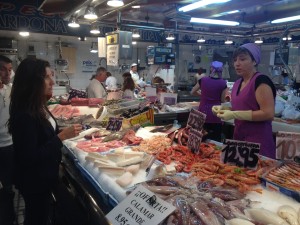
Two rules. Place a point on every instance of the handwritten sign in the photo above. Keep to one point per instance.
(287, 145)
(196, 119)
(114, 123)
(240, 153)
(112, 55)
(141, 207)
(194, 141)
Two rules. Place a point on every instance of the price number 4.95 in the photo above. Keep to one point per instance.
(121, 219)
(241, 156)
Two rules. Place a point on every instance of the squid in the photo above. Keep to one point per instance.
(289, 214)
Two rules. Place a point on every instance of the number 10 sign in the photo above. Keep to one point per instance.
(287, 145)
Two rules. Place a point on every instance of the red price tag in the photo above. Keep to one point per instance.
(287, 145)
(240, 153)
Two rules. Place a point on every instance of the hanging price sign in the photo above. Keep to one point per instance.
(240, 153)
(287, 145)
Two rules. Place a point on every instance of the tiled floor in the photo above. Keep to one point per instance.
(19, 207)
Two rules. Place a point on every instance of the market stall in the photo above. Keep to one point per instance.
(112, 193)
(114, 163)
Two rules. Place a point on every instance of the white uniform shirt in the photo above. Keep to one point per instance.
(111, 83)
(135, 76)
(96, 89)
(5, 137)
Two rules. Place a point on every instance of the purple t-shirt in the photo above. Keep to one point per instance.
(251, 131)
(211, 93)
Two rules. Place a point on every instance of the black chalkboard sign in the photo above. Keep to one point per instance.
(285, 57)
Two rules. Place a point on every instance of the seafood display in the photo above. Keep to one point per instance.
(287, 175)
(223, 174)
(153, 145)
(208, 192)
(65, 111)
(198, 202)
(204, 203)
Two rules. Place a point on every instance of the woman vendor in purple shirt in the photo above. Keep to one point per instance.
(213, 90)
(252, 100)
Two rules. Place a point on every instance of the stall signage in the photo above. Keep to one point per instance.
(194, 141)
(240, 153)
(287, 145)
(196, 119)
(141, 207)
(112, 55)
(114, 123)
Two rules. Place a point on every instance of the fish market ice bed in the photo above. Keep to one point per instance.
(104, 182)
(113, 193)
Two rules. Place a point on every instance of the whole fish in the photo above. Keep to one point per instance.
(120, 134)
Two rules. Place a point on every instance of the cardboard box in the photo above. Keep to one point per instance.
(276, 187)
(144, 119)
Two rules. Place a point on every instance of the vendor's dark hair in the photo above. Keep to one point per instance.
(5, 59)
(27, 94)
(126, 74)
(128, 84)
(242, 50)
(158, 80)
(108, 74)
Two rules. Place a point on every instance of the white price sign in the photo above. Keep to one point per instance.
(141, 207)
(287, 145)
(112, 55)
(240, 153)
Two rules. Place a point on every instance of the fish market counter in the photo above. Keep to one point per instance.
(107, 193)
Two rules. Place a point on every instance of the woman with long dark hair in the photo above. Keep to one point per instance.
(36, 138)
(128, 87)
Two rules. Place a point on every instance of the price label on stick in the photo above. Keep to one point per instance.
(287, 145)
(240, 153)
(141, 207)
(196, 119)
(114, 123)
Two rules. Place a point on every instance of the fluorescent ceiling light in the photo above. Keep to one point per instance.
(136, 6)
(93, 51)
(288, 38)
(170, 37)
(135, 34)
(73, 22)
(216, 22)
(24, 33)
(287, 19)
(115, 3)
(93, 48)
(200, 4)
(201, 40)
(226, 13)
(90, 13)
(134, 42)
(258, 41)
(228, 41)
(82, 38)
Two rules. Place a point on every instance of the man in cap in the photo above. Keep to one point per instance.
(134, 74)
(96, 88)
